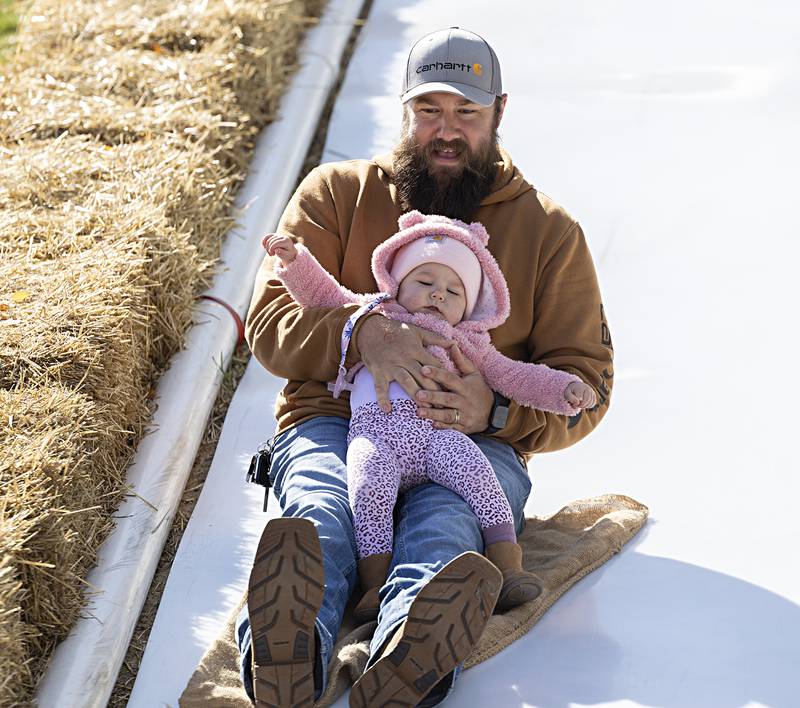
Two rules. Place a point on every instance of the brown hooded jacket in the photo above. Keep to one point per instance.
(343, 210)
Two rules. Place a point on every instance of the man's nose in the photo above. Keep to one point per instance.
(448, 128)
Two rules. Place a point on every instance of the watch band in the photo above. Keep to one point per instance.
(498, 415)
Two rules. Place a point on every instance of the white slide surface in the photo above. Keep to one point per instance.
(670, 132)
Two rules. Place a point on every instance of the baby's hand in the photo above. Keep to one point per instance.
(580, 395)
(281, 246)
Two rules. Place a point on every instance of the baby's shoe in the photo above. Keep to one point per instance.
(518, 584)
(372, 571)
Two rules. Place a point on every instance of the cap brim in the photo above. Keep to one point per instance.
(476, 95)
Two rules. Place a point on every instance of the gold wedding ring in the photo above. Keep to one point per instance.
(458, 416)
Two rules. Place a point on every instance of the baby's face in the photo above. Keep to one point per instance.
(433, 288)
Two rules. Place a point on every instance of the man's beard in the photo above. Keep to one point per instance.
(456, 193)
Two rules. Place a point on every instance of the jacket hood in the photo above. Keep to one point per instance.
(508, 185)
(492, 306)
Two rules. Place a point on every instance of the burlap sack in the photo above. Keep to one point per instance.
(560, 549)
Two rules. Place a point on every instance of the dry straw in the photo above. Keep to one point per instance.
(125, 130)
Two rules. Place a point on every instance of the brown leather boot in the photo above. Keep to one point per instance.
(518, 584)
(444, 623)
(285, 592)
(372, 572)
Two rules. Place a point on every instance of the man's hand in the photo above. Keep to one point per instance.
(465, 403)
(394, 351)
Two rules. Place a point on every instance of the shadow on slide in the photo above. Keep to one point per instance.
(690, 637)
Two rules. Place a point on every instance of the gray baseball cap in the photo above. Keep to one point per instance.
(454, 61)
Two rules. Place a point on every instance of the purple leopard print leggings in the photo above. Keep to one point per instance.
(389, 453)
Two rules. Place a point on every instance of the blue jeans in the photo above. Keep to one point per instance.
(432, 526)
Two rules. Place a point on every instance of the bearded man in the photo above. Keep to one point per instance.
(439, 593)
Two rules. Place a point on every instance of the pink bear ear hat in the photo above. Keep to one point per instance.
(460, 246)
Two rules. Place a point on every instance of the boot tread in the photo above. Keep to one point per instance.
(435, 637)
(285, 592)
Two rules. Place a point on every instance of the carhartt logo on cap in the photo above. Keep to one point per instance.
(450, 66)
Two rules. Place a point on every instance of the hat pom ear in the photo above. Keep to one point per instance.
(410, 218)
(477, 229)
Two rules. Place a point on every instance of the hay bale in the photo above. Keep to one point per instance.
(125, 130)
(69, 195)
(85, 328)
(55, 509)
(46, 112)
(189, 68)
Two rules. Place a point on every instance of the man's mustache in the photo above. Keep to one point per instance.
(458, 145)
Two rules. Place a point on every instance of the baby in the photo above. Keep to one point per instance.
(438, 274)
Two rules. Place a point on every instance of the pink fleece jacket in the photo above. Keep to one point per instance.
(533, 385)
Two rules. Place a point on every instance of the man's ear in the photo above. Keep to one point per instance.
(500, 112)
(405, 118)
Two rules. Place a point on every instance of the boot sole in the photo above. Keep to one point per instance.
(284, 596)
(444, 623)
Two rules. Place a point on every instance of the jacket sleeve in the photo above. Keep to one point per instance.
(531, 385)
(289, 341)
(310, 285)
(569, 333)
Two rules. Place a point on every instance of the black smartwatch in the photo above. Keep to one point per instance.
(498, 416)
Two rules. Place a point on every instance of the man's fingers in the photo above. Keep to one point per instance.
(433, 338)
(428, 359)
(445, 426)
(428, 384)
(446, 417)
(382, 394)
(407, 381)
(413, 381)
(445, 378)
(465, 366)
(410, 380)
(439, 399)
